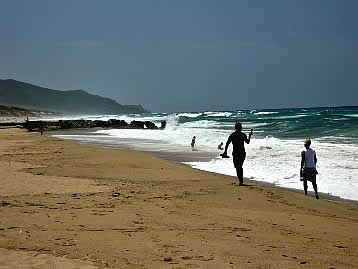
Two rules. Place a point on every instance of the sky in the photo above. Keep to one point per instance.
(187, 55)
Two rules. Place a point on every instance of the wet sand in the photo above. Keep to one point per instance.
(179, 157)
(115, 208)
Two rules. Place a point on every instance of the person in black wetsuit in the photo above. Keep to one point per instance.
(193, 142)
(237, 139)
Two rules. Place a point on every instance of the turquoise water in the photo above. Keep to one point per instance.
(333, 124)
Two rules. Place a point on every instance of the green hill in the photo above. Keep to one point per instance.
(21, 94)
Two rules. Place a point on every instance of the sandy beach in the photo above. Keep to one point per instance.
(67, 205)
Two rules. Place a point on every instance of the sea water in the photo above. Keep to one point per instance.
(273, 155)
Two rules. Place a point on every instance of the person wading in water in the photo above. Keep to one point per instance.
(193, 142)
(237, 139)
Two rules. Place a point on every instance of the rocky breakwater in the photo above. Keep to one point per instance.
(39, 126)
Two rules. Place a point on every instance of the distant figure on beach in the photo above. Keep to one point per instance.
(193, 142)
(308, 170)
(237, 139)
(41, 128)
(220, 146)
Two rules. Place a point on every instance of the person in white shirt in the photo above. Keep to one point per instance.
(308, 170)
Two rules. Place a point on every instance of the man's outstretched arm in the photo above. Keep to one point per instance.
(247, 140)
(227, 144)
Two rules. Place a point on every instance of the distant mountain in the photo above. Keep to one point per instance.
(21, 94)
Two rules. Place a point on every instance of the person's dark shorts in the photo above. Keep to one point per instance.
(309, 174)
(239, 159)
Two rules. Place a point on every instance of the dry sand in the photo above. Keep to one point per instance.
(66, 205)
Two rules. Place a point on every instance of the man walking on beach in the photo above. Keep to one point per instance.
(308, 170)
(237, 139)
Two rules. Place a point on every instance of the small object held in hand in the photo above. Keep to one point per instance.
(224, 155)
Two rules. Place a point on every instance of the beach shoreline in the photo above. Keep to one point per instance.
(183, 158)
(117, 208)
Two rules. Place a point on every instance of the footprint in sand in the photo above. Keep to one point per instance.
(12, 227)
(194, 257)
(241, 229)
(4, 203)
(98, 214)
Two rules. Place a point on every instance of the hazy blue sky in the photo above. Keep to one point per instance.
(187, 55)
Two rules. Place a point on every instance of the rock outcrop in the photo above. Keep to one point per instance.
(37, 126)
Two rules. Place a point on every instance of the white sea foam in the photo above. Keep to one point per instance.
(189, 115)
(265, 113)
(253, 125)
(339, 119)
(218, 114)
(201, 124)
(178, 137)
(337, 165)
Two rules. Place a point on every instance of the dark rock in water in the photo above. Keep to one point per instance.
(101, 123)
(38, 126)
(114, 123)
(150, 125)
(137, 124)
(163, 124)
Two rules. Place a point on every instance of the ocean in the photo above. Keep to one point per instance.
(273, 156)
